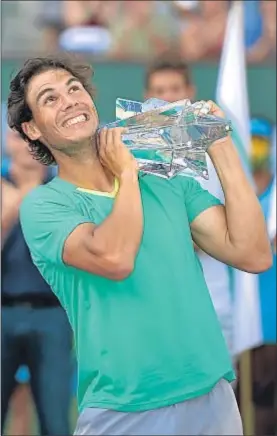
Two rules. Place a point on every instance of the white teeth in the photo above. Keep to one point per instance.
(79, 119)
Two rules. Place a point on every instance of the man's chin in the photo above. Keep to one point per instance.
(82, 135)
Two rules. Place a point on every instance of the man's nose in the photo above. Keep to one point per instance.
(68, 102)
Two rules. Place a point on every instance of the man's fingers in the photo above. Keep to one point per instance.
(202, 107)
(118, 132)
(110, 140)
(212, 106)
(208, 107)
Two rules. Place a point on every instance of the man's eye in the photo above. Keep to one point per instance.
(74, 88)
(50, 99)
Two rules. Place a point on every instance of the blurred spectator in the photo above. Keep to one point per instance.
(136, 30)
(142, 29)
(87, 12)
(19, 30)
(171, 81)
(202, 28)
(265, 357)
(51, 21)
(35, 330)
(87, 26)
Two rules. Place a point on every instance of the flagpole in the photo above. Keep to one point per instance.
(246, 404)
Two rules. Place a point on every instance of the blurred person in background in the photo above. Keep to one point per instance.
(142, 29)
(265, 357)
(197, 18)
(202, 26)
(52, 23)
(171, 80)
(87, 26)
(88, 12)
(35, 331)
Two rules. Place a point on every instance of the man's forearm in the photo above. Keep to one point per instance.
(119, 236)
(245, 220)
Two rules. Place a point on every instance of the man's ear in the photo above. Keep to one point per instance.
(31, 130)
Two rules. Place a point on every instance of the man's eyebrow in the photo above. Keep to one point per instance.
(44, 91)
(41, 93)
(72, 79)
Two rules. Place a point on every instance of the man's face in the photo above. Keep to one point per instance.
(169, 85)
(64, 115)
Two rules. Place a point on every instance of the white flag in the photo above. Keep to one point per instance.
(232, 97)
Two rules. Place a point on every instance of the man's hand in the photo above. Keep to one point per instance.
(211, 108)
(113, 154)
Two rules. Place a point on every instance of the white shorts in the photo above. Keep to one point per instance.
(213, 414)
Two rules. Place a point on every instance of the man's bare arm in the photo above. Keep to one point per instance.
(235, 234)
(110, 249)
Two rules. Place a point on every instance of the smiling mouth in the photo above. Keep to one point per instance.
(76, 120)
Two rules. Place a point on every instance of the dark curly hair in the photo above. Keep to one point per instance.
(18, 109)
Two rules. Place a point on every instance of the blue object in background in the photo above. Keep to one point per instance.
(90, 39)
(273, 151)
(253, 22)
(261, 127)
(5, 168)
(267, 283)
(22, 375)
(5, 165)
(4, 127)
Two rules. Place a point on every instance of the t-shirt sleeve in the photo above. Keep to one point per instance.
(197, 199)
(47, 221)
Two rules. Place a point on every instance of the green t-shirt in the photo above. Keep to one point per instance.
(150, 340)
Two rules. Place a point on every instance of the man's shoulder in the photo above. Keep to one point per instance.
(44, 196)
(50, 190)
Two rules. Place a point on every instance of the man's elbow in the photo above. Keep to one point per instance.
(120, 268)
(257, 262)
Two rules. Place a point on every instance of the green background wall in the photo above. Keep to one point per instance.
(113, 79)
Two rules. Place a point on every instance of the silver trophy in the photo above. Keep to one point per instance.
(169, 138)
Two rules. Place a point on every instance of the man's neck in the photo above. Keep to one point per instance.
(86, 172)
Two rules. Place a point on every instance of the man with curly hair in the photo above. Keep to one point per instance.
(116, 247)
